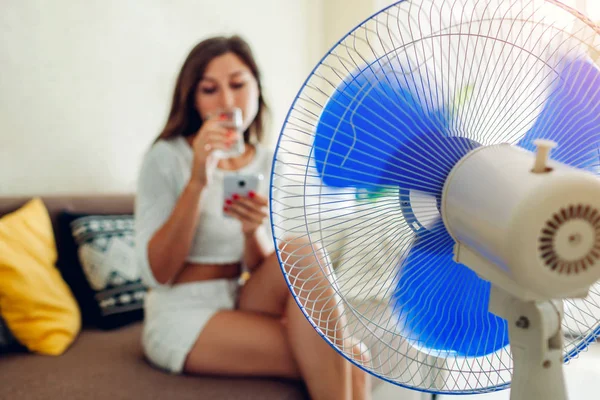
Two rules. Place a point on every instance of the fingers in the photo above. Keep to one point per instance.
(253, 202)
(244, 215)
(219, 138)
(211, 136)
(258, 198)
(246, 209)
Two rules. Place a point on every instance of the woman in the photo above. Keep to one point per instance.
(192, 243)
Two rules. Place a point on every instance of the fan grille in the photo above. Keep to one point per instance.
(389, 110)
(548, 239)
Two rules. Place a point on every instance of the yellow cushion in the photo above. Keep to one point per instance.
(35, 301)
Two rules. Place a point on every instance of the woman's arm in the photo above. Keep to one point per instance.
(251, 212)
(166, 220)
(169, 246)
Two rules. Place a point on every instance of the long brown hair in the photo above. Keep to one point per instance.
(184, 119)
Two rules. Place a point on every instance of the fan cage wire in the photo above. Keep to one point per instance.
(303, 207)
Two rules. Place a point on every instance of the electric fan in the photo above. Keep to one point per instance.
(443, 155)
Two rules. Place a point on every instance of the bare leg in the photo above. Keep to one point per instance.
(361, 380)
(263, 350)
(327, 374)
(238, 343)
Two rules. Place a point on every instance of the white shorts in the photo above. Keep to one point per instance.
(175, 316)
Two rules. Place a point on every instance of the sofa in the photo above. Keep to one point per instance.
(109, 363)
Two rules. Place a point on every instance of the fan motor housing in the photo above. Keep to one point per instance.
(540, 230)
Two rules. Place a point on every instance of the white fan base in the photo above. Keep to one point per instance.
(535, 334)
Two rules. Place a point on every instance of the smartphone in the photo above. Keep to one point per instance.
(240, 184)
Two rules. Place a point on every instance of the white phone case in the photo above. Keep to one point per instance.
(240, 184)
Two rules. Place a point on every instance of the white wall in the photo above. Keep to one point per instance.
(347, 14)
(85, 86)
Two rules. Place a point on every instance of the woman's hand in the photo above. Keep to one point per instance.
(251, 211)
(211, 136)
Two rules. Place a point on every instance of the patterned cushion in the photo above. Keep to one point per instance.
(112, 294)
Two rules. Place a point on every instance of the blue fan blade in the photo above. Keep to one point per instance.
(442, 305)
(374, 132)
(415, 166)
(571, 117)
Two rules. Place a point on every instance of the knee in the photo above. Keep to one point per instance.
(302, 258)
(311, 279)
(361, 380)
(297, 247)
(361, 354)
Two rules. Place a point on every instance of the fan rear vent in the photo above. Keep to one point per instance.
(569, 242)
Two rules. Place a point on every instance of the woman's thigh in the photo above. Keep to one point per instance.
(239, 343)
(266, 290)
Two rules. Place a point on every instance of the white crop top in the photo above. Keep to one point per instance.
(164, 173)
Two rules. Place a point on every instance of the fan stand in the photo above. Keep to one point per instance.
(536, 342)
